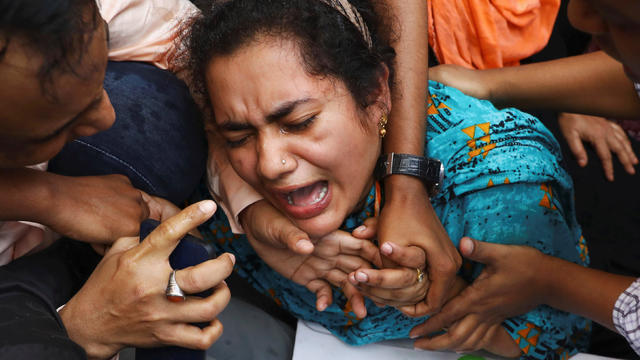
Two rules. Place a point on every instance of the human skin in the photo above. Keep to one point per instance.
(505, 289)
(37, 121)
(273, 110)
(123, 301)
(404, 219)
(34, 125)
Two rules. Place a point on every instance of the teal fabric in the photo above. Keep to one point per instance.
(503, 184)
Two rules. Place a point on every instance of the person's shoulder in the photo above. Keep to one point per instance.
(482, 146)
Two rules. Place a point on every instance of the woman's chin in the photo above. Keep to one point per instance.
(319, 226)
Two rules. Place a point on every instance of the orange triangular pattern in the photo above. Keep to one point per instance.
(545, 202)
(487, 149)
(443, 105)
(524, 332)
(484, 127)
(431, 110)
(486, 138)
(470, 131)
(474, 153)
(526, 349)
(544, 187)
(490, 184)
(471, 143)
(534, 339)
(506, 180)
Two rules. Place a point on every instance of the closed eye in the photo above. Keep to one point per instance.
(299, 126)
(237, 142)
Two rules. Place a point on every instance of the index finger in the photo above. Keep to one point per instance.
(163, 239)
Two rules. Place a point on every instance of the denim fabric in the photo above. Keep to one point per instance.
(157, 139)
(158, 142)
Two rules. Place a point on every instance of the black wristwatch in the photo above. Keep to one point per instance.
(430, 171)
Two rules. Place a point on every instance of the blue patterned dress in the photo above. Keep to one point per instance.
(503, 184)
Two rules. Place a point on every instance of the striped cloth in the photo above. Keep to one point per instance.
(626, 315)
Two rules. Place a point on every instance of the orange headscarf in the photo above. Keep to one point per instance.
(485, 34)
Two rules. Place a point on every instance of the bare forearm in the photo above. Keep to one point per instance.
(22, 192)
(407, 117)
(592, 84)
(587, 292)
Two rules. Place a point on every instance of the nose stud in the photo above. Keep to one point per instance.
(283, 161)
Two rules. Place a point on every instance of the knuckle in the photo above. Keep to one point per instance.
(151, 317)
(192, 280)
(163, 336)
(210, 337)
(127, 262)
(210, 312)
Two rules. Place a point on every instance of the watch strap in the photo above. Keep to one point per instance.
(429, 170)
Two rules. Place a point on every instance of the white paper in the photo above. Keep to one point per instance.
(314, 342)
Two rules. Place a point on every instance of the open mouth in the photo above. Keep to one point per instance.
(308, 195)
(307, 201)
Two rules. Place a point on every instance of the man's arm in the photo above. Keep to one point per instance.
(405, 214)
(94, 209)
(518, 278)
(583, 291)
(593, 84)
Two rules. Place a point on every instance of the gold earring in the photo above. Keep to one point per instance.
(382, 125)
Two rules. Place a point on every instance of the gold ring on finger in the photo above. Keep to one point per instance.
(420, 275)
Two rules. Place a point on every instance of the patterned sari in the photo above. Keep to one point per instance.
(503, 184)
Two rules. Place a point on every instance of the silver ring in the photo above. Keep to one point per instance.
(173, 292)
(419, 275)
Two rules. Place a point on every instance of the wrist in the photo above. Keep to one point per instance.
(77, 332)
(545, 275)
(403, 188)
(430, 171)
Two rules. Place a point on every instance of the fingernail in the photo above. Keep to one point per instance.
(360, 228)
(466, 246)
(352, 279)
(322, 307)
(413, 336)
(362, 277)
(233, 258)
(207, 206)
(386, 249)
(304, 245)
(225, 283)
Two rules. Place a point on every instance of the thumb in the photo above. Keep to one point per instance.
(295, 239)
(159, 208)
(478, 250)
(123, 244)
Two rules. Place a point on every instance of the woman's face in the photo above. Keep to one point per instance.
(615, 25)
(299, 140)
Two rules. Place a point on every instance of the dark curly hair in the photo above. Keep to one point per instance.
(330, 45)
(58, 30)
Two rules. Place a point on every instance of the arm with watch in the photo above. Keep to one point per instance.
(404, 219)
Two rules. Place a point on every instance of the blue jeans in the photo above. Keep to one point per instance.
(157, 139)
(158, 142)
